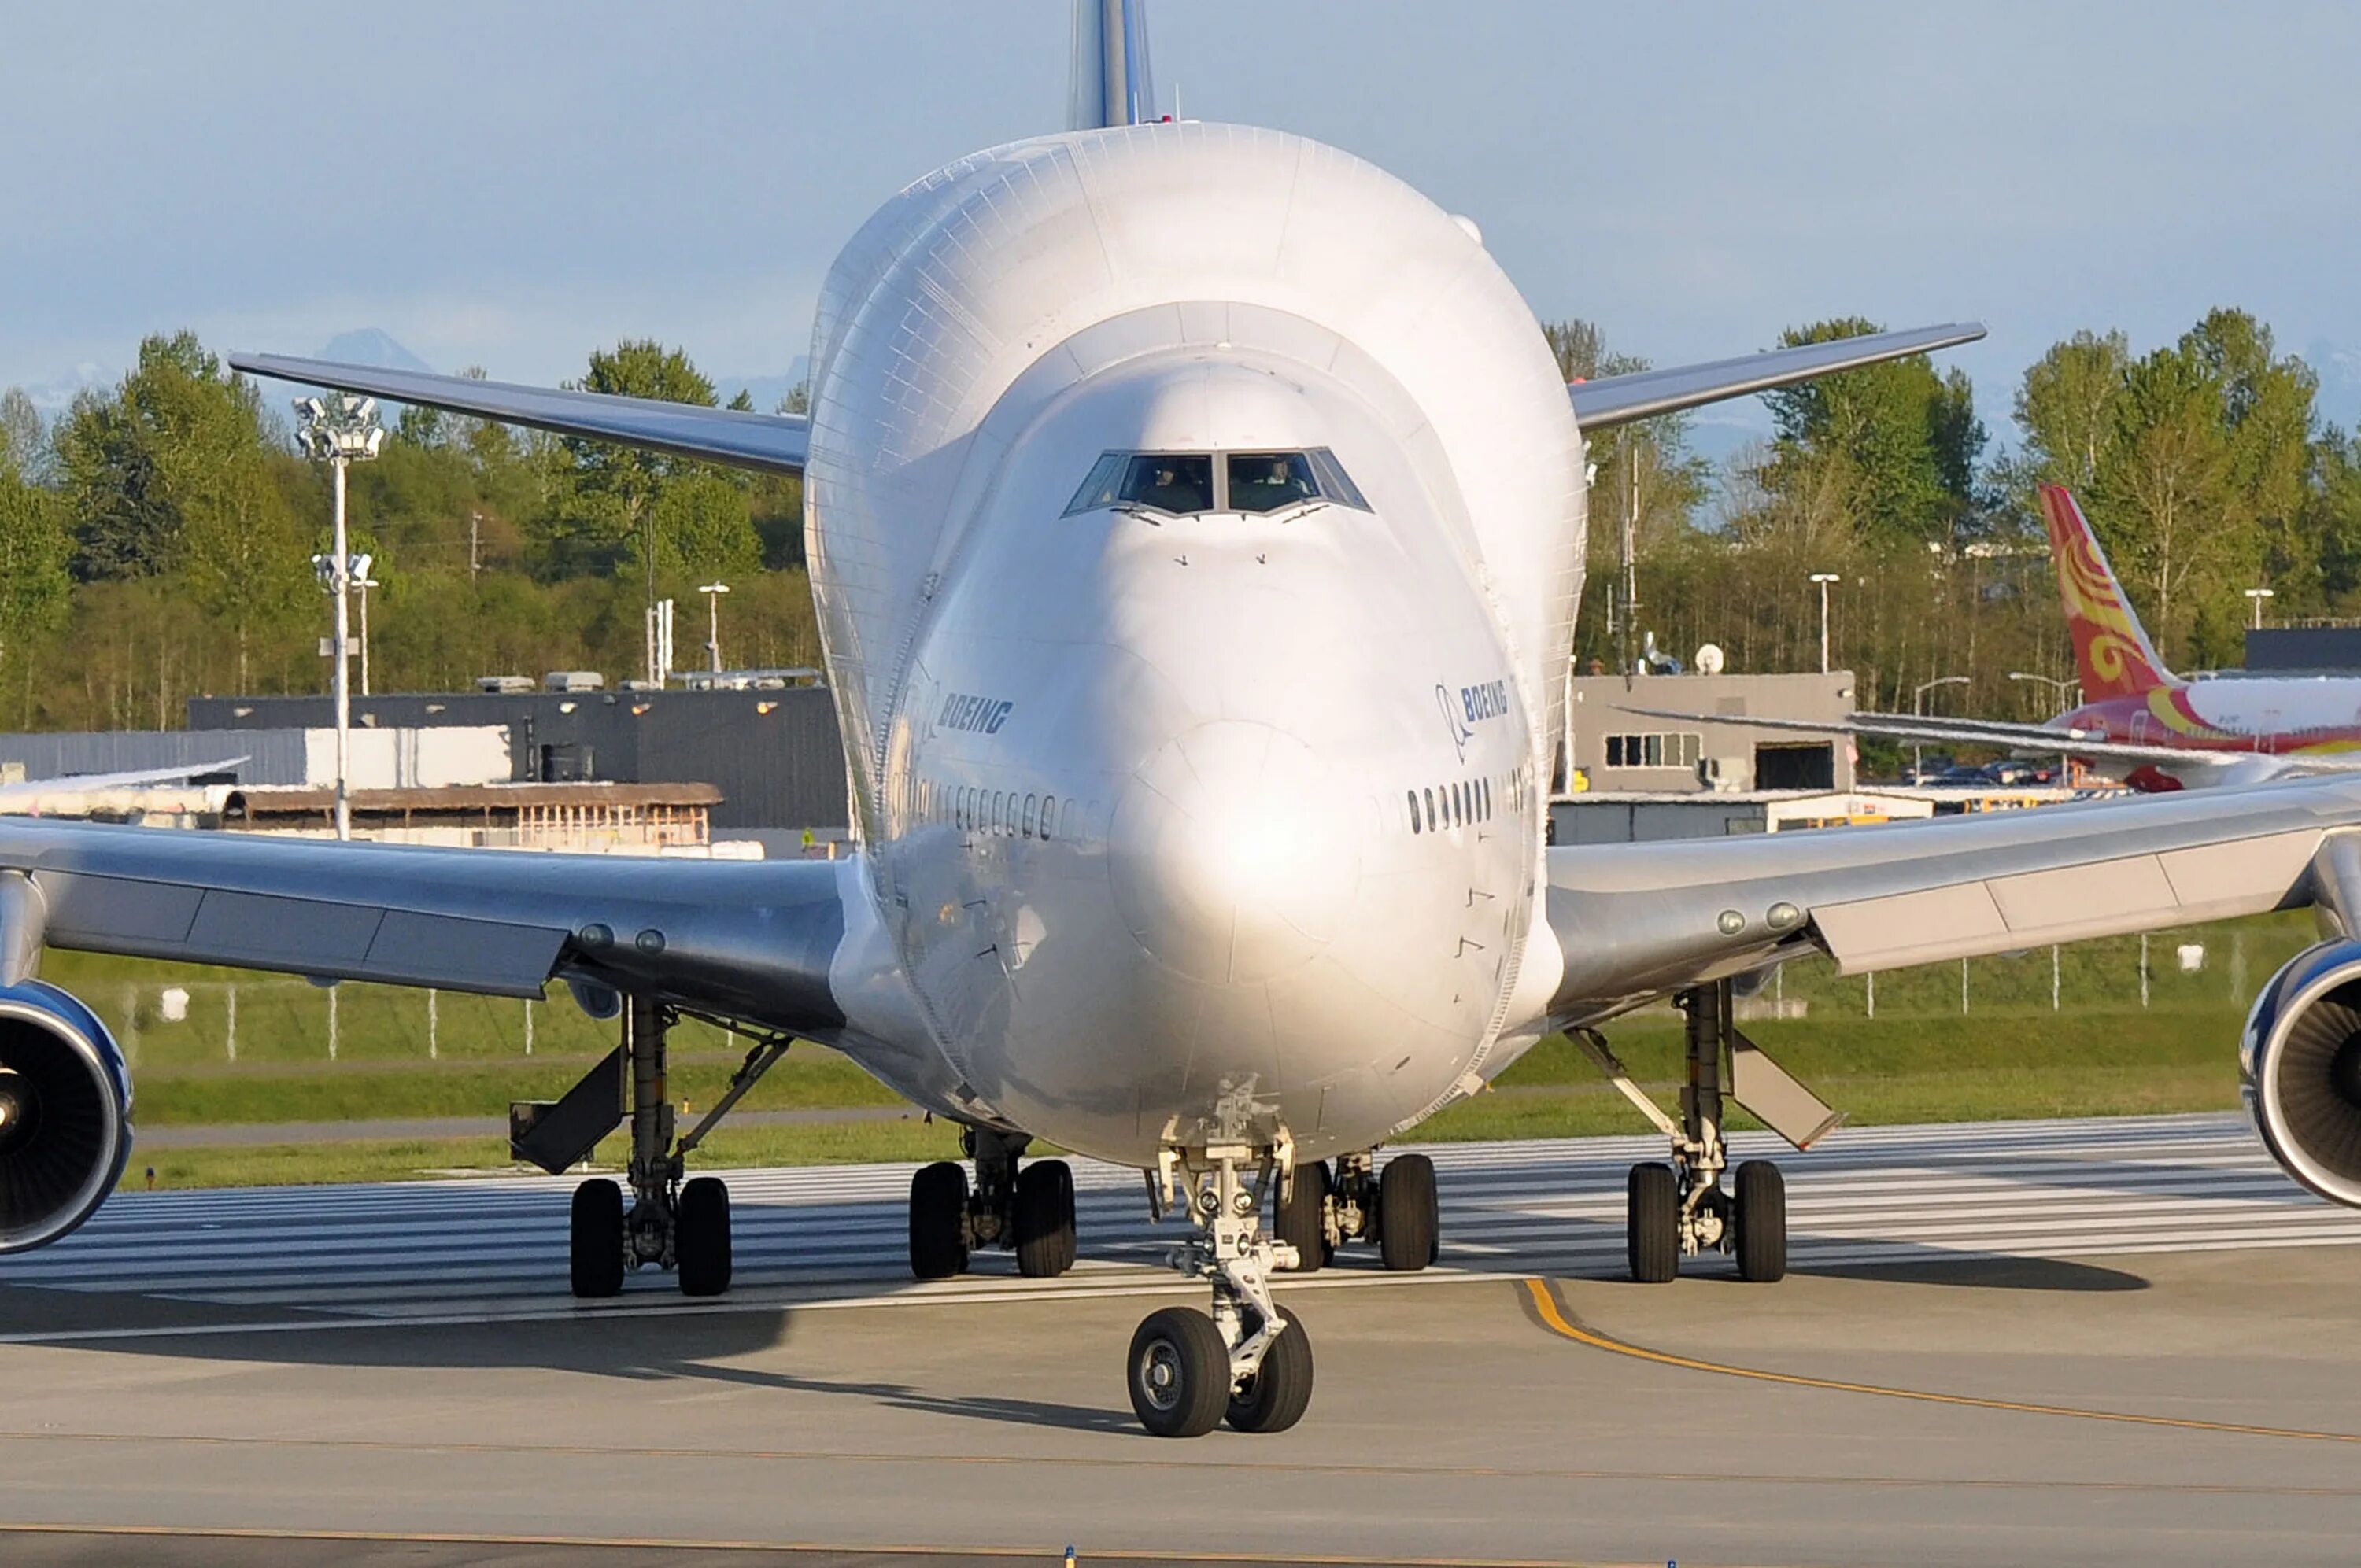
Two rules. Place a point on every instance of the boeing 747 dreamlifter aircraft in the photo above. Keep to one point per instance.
(1195, 518)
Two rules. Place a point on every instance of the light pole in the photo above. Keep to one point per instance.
(1824, 579)
(1918, 706)
(363, 581)
(340, 430)
(2256, 598)
(713, 592)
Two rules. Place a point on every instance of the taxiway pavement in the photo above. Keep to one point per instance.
(2064, 1342)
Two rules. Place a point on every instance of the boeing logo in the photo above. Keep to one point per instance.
(982, 714)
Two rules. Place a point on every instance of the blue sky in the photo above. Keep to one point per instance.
(508, 184)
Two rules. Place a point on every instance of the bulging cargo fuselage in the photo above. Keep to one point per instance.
(1192, 514)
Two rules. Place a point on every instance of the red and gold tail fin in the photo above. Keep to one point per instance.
(2111, 655)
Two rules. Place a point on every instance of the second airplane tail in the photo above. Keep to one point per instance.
(2111, 655)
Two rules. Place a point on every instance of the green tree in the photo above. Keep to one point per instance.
(1909, 436)
(2163, 489)
(34, 547)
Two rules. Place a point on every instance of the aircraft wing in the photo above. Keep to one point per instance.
(1638, 921)
(1644, 394)
(132, 778)
(773, 443)
(2026, 737)
(749, 939)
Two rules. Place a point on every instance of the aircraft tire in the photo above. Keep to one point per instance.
(593, 1243)
(939, 1221)
(1301, 1220)
(1045, 1219)
(1761, 1222)
(1179, 1373)
(1651, 1221)
(700, 1237)
(1409, 1217)
(1276, 1397)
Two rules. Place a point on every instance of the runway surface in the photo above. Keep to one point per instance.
(495, 1248)
(2064, 1342)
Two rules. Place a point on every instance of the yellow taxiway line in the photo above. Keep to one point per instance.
(1556, 1318)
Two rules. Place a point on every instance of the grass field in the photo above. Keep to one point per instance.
(1919, 1057)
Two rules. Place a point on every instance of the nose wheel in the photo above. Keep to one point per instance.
(1248, 1362)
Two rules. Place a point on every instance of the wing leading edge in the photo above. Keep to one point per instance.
(753, 939)
(1638, 921)
(1644, 394)
(769, 443)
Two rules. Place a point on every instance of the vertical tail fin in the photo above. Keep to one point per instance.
(2111, 654)
(1114, 84)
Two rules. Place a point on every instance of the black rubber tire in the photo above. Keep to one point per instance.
(1045, 1219)
(594, 1246)
(939, 1221)
(1279, 1393)
(1652, 1224)
(1409, 1218)
(700, 1237)
(1762, 1222)
(1302, 1221)
(1179, 1374)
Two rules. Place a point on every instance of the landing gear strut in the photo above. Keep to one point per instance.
(1249, 1362)
(1396, 1209)
(1681, 1208)
(1028, 1211)
(672, 1224)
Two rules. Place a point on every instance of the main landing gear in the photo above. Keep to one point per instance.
(1028, 1211)
(1681, 1209)
(1249, 1362)
(1395, 1208)
(672, 1224)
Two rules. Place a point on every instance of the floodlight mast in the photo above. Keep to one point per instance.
(713, 592)
(340, 429)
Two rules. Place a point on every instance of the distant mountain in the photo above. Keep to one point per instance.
(766, 391)
(373, 347)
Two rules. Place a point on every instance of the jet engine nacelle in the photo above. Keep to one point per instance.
(2300, 1064)
(65, 1115)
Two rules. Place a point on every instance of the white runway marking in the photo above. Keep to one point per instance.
(494, 1249)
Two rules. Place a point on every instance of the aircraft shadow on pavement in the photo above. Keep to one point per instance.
(716, 1347)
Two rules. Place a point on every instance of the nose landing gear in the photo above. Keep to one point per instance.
(1249, 1360)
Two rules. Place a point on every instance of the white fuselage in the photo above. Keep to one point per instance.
(1186, 824)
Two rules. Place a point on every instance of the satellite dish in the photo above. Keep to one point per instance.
(1709, 660)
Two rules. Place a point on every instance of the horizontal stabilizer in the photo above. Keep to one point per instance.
(1644, 394)
(772, 442)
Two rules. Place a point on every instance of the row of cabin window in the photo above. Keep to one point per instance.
(1451, 805)
(1679, 749)
(1000, 812)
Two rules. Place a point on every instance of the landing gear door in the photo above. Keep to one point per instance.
(1774, 1098)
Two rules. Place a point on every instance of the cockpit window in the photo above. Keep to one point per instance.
(1335, 483)
(1168, 482)
(1181, 483)
(1265, 481)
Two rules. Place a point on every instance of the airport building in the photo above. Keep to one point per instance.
(1613, 749)
(771, 752)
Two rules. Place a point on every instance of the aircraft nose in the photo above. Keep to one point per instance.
(1232, 855)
